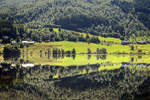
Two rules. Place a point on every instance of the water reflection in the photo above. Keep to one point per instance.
(88, 82)
(47, 76)
(103, 57)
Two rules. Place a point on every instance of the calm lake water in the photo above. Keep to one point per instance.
(74, 77)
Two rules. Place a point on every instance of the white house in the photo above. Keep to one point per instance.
(26, 65)
(13, 42)
(28, 43)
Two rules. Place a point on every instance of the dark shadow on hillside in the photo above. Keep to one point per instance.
(77, 83)
(11, 53)
(144, 91)
(142, 10)
(93, 80)
(77, 22)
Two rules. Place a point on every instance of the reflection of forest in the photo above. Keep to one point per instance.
(74, 82)
(59, 57)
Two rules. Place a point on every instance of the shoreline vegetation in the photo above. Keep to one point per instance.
(67, 40)
(65, 53)
(68, 50)
(82, 48)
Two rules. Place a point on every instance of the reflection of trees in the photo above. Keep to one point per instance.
(142, 10)
(89, 56)
(60, 53)
(120, 84)
(11, 53)
(111, 85)
(9, 74)
(101, 51)
(103, 57)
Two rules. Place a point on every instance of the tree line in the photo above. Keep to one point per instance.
(111, 18)
(9, 31)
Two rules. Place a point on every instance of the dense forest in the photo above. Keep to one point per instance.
(109, 18)
(10, 32)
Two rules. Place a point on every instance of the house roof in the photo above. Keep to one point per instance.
(27, 41)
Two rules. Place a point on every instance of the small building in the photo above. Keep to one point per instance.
(28, 43)
(13, 42)
(13, 65)
(26, 65)
(47, 40)
(141, 42)
(125, 42)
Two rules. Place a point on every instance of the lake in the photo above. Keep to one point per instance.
(45, 76)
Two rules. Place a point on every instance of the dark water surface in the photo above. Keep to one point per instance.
(95, 77)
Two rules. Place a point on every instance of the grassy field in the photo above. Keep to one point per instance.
(102, 39)
(1, 51)
(1, 58)
(1, 48)
(82, 47)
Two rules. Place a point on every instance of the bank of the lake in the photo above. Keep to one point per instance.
(82, 47)
(1, 49)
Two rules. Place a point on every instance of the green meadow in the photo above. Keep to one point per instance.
(81, 47)
(112, 45)
(1, 48)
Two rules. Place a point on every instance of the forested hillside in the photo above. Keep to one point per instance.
(109, 18)
(142, 9)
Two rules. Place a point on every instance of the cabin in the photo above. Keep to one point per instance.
(125, 42)
(148, 42)
(141, 42)
(47, 40)
(13, 65)
(28, 43)
(27, 65)
(13, 42)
